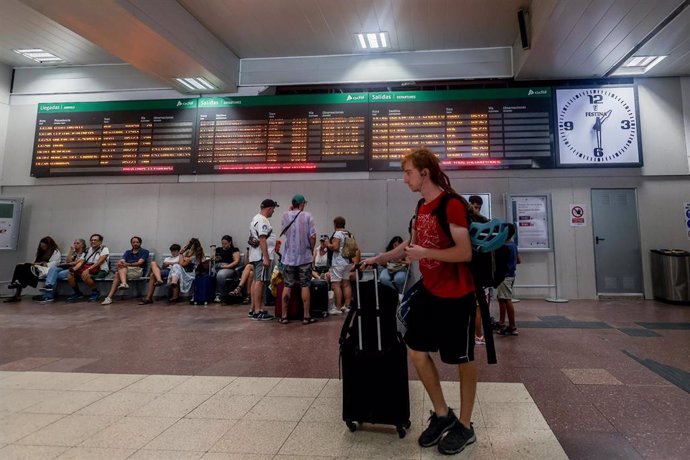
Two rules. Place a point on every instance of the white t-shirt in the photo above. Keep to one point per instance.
(92, 256)
(338, 259)
(261, 226)
(171, 260)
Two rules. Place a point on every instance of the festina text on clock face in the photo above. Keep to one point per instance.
(597, 126)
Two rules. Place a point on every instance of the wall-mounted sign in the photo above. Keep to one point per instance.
(577, 215)
(531, 215)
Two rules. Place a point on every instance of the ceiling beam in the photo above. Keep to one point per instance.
(158, 37)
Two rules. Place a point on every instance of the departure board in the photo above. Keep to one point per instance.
(115, 138)
(282, 133)
(497, 128)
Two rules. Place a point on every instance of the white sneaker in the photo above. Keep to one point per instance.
(217, 299)
(334, 311)
(107, 301)
(345, 309)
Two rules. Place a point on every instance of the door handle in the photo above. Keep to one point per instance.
(597, 239)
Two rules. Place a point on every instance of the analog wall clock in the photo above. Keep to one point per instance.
(598, 127)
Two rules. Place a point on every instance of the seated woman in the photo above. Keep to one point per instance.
(182, 273)
(320, 262)
(227, 259)
(27, 274)
(76, 253)
(395, 273)
(160, 274)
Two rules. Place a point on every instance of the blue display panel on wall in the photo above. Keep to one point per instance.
(115, 138)
(316, 133)
(482, 129)
(469, 129)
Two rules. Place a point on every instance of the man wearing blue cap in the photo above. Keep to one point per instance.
(300, 239)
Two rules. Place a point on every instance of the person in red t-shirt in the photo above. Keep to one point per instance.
(441, 318)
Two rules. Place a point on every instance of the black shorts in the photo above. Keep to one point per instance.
(442, 324)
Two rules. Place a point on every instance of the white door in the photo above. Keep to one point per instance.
(617, 253)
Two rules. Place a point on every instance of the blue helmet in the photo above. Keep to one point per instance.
(488, 236)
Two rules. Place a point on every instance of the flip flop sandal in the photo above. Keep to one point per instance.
(145, 302)
(283, 321)
(306, 321)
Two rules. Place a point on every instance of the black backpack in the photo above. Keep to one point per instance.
(488, 268)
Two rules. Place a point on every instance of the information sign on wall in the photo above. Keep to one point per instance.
(531, 215)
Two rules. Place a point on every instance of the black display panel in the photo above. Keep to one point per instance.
(115, 138)
(484, 129)
(282, 134)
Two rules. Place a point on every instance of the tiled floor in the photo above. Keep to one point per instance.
(603, 379)
(84, 415)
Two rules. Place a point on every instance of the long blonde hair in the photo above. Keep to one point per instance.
(425, 158)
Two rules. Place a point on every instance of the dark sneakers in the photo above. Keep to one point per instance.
(457, 439)
(437, 427)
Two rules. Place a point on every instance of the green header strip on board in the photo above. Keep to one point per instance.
(110, 106)
(260, 101)
(460, 94)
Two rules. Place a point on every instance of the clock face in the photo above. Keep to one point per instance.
(597, 126)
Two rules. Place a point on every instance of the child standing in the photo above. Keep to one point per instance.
(505, 290)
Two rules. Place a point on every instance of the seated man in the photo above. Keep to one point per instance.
(94, 265)
(76, 253)
(130, 267)
(227, 260)
(160, 274)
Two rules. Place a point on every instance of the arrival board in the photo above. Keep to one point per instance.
(486, 129)
(115, 138)
(282, 133)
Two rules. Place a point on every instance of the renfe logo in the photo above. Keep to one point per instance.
(540, 92)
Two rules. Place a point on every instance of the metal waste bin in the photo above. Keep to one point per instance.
(671, 275)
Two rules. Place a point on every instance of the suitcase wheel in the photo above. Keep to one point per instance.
(401, 431)
(352, 426)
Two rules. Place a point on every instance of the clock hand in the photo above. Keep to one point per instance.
(597, 128)
(606, 115)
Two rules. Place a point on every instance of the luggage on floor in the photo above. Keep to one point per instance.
(373, 360)
(294, 309)
(230, 285)
(204, 289)
(205, 284)
(318, 299)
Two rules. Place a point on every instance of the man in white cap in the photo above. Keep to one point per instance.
(262, 243)
(300, 239)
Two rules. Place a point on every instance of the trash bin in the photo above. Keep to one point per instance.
(671, 275)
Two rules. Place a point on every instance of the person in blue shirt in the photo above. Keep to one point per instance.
(130, 267)
(505, 290)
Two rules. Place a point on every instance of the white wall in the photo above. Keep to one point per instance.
(5, 85)
(377, 205)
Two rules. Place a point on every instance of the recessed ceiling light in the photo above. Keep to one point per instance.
(195, 83)
(372, 41)
(637, 65)
(38, 55)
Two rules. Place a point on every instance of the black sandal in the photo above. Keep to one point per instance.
(12, 300)
(310, 320)
(283, 321)
(145, 302)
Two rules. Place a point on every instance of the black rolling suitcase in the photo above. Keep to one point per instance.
(373, 360)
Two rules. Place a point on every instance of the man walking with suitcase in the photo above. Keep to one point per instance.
(300, 239)
(441, 316)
